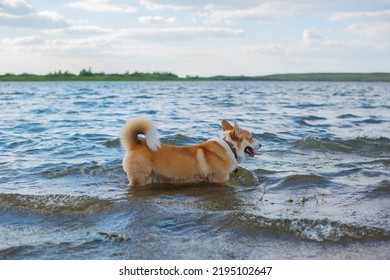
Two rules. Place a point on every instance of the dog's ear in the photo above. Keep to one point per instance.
(226, 125)
(237, 129)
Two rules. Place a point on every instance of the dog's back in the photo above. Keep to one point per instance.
(148, 161)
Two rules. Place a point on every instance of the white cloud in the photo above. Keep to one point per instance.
(210, 4)
(266, 12)
(306, 46)
(273, 49)
(310, 34)
(20, 14)
(176, 5)
(25, 40)
(87, 29)
(42, 20)
(113, 38)
(78, 29)
(342, 34)
(377, 15)
(51, 15)
(156, 20)
(142, 34)
(102, 6)
(378, 31)
(371, 25)
(269, 11)
(179, 33)
(15, 7)
(313, 41)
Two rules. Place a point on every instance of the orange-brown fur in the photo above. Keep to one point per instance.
(149, 161)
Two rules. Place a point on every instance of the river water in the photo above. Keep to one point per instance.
(321, 189)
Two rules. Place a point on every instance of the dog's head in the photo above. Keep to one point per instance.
(241, 139)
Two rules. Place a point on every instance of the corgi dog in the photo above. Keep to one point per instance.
(148, 161)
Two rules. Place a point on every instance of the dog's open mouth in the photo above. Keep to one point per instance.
(251, 152)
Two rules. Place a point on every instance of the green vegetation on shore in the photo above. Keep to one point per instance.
(362, 77)
(88, 75)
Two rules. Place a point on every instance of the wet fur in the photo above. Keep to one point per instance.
(148, 161)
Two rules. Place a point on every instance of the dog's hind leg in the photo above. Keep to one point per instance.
(139, 176)
(136, 182)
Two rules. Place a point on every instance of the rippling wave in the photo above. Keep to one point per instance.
(315, 230)
(303, 181)
(55, 170)
(320, 187)
(365, 146)
(379, 190)
(54, 204)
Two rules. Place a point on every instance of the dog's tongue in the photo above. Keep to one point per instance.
(252, 152)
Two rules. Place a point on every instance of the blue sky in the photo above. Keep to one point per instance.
(195, 37)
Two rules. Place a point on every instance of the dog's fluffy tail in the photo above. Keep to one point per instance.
(136, 126)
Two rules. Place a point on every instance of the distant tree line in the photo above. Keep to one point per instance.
(89, 75)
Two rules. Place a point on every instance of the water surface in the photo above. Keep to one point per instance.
(320, 191)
